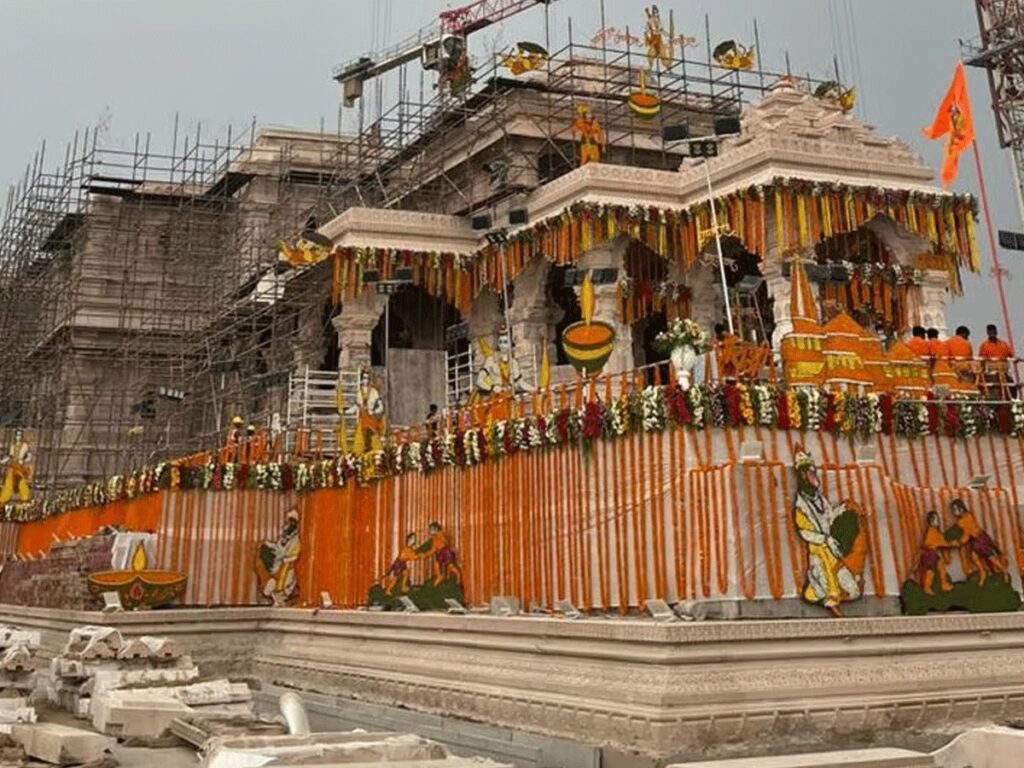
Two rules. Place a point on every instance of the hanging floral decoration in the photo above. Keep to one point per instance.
(801, 212)
(651, 410)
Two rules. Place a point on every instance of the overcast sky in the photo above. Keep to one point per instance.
(133, 64)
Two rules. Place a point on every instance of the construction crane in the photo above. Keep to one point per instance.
(1000, 51)
(440, 47)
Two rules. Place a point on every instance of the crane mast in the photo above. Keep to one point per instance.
(433, 44)
(1000, 52)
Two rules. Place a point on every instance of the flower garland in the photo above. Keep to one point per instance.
(804, 213)
(650, 411)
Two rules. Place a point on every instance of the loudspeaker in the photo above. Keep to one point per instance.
(675, 132)
(727, 126)
(482, 221)
(518, 216)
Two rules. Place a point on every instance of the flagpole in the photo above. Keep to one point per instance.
(996, 266)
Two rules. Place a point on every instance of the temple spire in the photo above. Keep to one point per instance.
(802, 305)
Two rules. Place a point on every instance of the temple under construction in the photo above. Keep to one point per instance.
(143, 304)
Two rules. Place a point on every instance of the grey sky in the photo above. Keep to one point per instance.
(64, 64)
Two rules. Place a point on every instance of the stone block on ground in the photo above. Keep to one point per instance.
(322, 748)
(137, 714)
(61, 744)
(31, 638)
(992, 747)
(112, 679)
(17, 658)
(447, 762)
(93, 642)
(858, 758)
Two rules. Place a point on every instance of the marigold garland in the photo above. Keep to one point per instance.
(651, 410)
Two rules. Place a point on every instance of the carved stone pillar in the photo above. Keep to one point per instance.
(934, 293)
(354, 326)
(705, 300)
(532, 315)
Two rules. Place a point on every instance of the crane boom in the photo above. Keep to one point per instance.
(455, 22)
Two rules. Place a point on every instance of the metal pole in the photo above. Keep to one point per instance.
(504, 295)
(387, 333)
(718, 244)
(1018, 158)
(997, 268)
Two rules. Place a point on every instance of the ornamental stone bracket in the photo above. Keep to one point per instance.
(402, 230)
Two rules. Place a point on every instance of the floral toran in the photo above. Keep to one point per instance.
(652, 409)
(801, 212)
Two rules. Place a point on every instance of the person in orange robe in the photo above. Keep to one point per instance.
(936, 346)
(996, 355)
(918, 343)
(958, 346)
(994, 348)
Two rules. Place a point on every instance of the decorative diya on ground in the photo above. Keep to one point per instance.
(590, 343)
(139, 587)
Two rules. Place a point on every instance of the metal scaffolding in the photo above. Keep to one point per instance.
(142, 303)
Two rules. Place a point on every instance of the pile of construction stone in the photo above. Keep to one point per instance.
(17, 676)
(327, 750)
(134, 689)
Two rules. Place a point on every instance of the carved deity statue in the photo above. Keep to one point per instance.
(17, 466)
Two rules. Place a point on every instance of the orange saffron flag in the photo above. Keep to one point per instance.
(955, 122)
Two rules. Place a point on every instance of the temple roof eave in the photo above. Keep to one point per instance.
(402, 230)
(730, 174)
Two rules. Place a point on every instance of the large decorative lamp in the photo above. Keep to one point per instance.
(590, 343)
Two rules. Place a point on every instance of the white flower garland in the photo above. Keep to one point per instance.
(652, 409)
(618, 416)
(815, 410)
(765, 406)
(1017, 409)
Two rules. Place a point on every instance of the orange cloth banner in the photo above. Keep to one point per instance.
(954, 122)
(139, 514)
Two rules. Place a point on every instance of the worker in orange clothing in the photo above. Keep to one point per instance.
(918, 343)
(995, 356)
(960, 354)
(958, 346)
(936, 346)
(995, 348)
(233, 441)
(257, 444)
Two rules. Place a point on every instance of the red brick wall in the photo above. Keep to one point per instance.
(59, 579)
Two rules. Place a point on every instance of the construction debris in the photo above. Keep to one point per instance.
(61, 744)
(324, 749)
(17, 676)
(97, 659)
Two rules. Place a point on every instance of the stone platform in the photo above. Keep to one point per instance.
(630, 685)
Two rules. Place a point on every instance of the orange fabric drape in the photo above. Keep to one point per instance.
(138, 514)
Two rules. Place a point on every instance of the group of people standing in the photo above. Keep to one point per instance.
(990, 367)
(928, 345)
